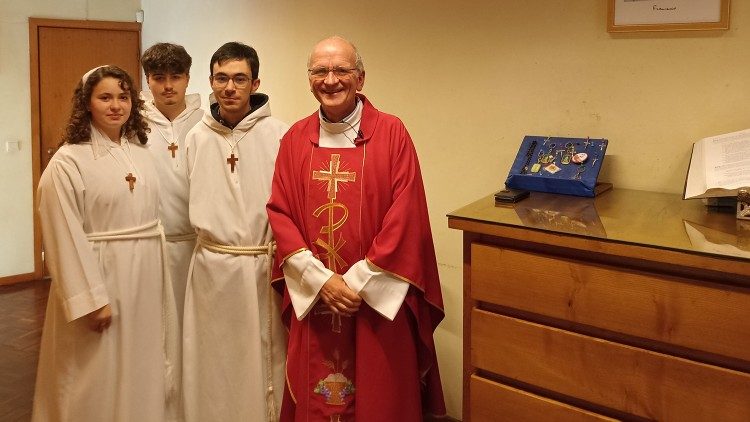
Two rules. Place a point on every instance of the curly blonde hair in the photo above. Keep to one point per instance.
(78, 128)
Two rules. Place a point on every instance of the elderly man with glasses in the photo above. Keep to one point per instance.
(234, 343)
(362, 294)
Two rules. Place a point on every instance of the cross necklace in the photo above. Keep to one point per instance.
(232, 159)
(171, 145)
(129, 177)
(97, 140)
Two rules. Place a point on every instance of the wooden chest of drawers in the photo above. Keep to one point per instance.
(633, 322)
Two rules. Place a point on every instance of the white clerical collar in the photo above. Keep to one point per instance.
(350, 122)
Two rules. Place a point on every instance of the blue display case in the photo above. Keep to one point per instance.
(558, 165)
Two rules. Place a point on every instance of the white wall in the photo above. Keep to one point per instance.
(16, 197)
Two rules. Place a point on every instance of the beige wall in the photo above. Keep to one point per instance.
(16, 198)
(469, 79)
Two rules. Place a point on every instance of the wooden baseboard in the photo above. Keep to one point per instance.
(18, 278)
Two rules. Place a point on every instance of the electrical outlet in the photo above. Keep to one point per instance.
(12, 146)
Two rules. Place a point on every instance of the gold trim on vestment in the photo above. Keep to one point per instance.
(400, 277)
(404, 279)
(283, 260)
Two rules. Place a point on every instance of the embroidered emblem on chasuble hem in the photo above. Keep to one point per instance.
(336, 386)
(329, 367)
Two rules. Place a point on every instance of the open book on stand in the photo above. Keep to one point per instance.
(719, 166)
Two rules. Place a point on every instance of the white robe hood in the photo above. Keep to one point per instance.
(264, 110)
(193, 102)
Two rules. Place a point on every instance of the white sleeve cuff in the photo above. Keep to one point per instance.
(379, 289)
(305, 275)
(85, 302)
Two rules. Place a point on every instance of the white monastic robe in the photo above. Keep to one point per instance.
(171, 165)
(229, 301)
(117, 375)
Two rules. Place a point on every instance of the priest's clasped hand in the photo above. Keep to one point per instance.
(339, 297)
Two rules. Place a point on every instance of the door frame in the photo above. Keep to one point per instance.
(34, 26)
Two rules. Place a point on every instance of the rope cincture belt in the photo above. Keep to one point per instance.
(152, 229)
(268, 249)
(170, 334)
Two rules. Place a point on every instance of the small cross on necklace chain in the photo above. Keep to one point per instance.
(172, 148)
(131, 181)
(232, 159)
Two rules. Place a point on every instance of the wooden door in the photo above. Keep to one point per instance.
(66, 52)
(61, 52)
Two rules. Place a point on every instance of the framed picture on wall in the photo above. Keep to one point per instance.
(667, 15)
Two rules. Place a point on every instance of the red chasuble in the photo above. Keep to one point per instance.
(344, 205)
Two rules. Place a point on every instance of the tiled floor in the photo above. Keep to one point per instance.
(22, 308)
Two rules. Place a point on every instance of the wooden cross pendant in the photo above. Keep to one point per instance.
(172, 147)
(131, 180)
(232, 160)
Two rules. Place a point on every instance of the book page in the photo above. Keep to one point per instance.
(719, 166)
(695, 184)
(728, 160)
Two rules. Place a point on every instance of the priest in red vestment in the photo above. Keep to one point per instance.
(355, 257)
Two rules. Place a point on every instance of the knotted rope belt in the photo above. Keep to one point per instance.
(170, 330)
(268, 249)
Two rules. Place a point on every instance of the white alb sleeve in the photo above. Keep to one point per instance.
(305, 275)
(379, 289)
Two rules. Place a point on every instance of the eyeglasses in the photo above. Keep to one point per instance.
(221, 80)
(322, 72)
